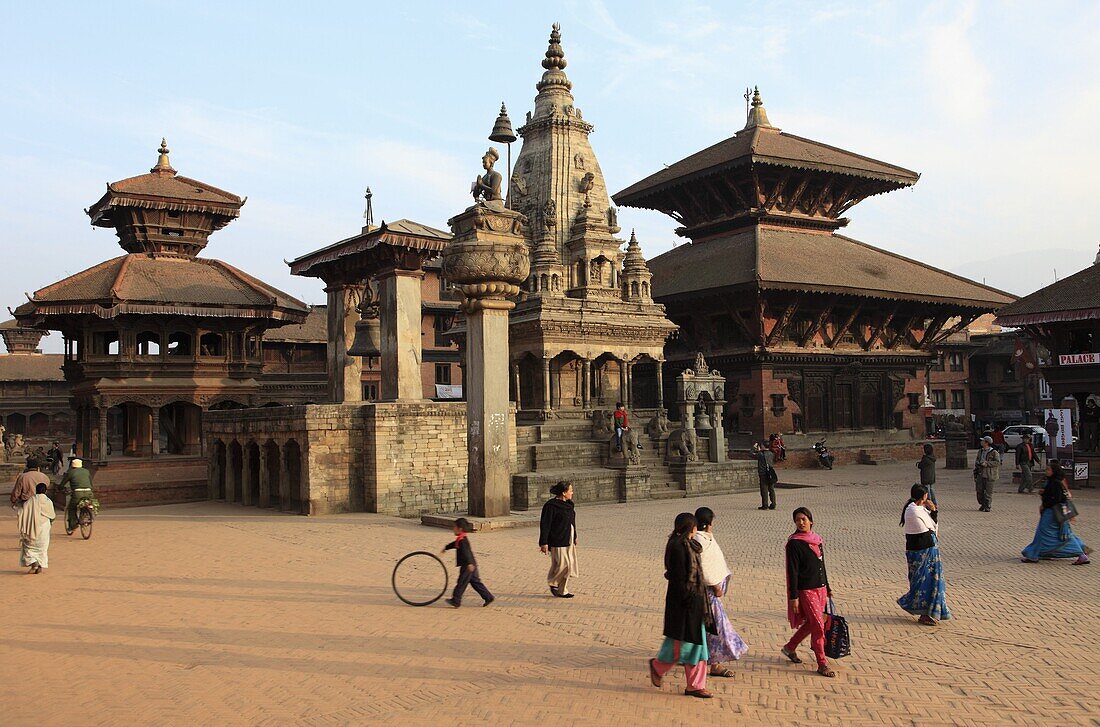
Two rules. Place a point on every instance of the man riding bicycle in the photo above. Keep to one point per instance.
(77, 484)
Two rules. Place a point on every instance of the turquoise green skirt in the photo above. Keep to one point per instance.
(690, 654)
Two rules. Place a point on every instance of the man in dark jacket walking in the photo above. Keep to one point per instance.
(467, 566)
(765, 471)
(1026, 458)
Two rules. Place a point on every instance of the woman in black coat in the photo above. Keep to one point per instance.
(558, 538)
(685, 611)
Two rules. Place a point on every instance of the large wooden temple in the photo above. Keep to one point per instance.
(815, 331)
(158, 335)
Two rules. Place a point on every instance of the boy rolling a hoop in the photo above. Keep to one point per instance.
(467, 566)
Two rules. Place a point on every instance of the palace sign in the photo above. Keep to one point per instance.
(1074, 359)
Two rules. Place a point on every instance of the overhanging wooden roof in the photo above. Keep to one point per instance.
(403, 233)
(1071, 299)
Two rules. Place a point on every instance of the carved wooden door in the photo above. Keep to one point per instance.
(814, 410)
(842, 406)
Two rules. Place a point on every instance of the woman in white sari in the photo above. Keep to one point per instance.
(36, 515)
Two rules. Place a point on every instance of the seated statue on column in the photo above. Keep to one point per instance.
(487, 186)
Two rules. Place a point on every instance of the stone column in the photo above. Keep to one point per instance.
(487, 259)
(623, 393)
(546, 399)
(629, 401)
(660, 385)
(399, 305)
(284, 481)
(515, 384)
(232, 483)
(586, 388)
(345, 372)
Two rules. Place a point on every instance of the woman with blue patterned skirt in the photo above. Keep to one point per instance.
(926, 597)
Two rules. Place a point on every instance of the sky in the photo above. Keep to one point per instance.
(301, 106)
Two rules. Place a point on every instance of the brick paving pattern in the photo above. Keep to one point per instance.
(219, 614)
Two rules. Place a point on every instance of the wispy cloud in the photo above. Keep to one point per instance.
(958, 79)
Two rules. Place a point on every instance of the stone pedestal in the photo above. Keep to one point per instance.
(956, 450)
(490, 453)
(402, 351)
(487, 259)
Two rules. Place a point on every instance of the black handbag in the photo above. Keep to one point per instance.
(838, 642)
(1065, 511)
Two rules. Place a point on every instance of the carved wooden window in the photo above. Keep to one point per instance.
(797, 329)
(105, 343)
(958, 399)
(443, 374)
(212, 344)
(939, 398)
(955, 361)
(148, 343)
(179, 344)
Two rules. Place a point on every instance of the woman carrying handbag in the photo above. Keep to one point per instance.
(1054, 538)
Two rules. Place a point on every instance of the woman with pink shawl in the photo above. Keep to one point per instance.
(808, 591)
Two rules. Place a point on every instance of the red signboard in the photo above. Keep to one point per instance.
(1074, 359)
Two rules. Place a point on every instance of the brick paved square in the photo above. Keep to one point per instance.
(218, 614)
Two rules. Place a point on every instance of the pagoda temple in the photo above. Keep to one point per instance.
(815, 332)
(586, 333)
(157, 335)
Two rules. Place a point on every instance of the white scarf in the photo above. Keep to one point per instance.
(712, 559)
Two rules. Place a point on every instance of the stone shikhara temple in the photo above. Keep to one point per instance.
(767, 322)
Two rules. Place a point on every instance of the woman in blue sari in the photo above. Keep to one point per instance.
(927, 591)
(1054, 539)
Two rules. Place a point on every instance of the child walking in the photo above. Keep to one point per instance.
(467, 566)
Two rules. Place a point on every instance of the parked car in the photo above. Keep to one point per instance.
(1015, 434)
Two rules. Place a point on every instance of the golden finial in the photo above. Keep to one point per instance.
(163, 165)
(757, 115)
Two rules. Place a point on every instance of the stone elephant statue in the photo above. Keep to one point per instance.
(601, 425)
(631, 447)
(681, 445)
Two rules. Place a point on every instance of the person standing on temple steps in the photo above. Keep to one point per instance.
(622, 423)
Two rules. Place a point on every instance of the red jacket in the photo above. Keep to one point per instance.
(621, 420)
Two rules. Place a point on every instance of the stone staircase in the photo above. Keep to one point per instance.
(875, 456)
(564, 450)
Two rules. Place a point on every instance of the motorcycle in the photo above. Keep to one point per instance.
(824, 456)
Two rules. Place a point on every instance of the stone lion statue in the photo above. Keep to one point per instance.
(681, 445)
(658, 425)
(601, 425)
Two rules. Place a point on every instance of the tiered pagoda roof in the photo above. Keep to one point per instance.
(1074, 298)
(163, 221)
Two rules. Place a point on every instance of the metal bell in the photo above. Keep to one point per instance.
(368, 338)
(502, 129)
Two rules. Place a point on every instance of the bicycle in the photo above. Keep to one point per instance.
(85, 517)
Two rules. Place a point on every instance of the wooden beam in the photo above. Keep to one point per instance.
(834, 210)
(783, 322)
(757, 189)
(791, 201)
(821, 196)
(845, 326)
(737, 193)
(777, 190)
(876, 332)
(713, 189)
(735, 314)
(933, 329)
(815, 324)
(964, 321)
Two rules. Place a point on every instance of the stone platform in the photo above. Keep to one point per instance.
(480, 524)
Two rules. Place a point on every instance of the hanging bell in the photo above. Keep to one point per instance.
(502, 129)
(368, 338)
(702, 420)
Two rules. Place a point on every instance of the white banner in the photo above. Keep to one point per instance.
(1059, 426)
(448, 391)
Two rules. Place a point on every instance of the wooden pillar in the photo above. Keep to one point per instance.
(629, 385)
(515, 384)
(232, 483)
(246, 475)
(265, 479)
(344, 372)
(284, 481)
(103, 429)
(155, 430)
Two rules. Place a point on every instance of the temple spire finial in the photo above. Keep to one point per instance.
(163, 166)
(555, 56)
(757, 115)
